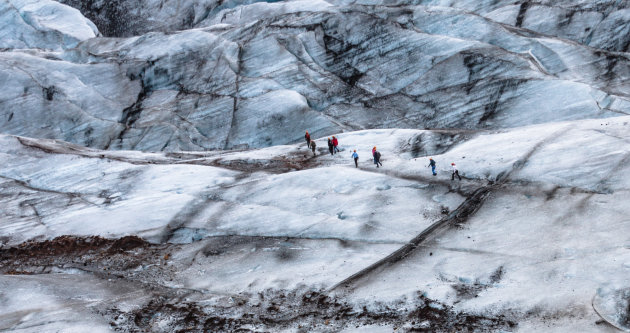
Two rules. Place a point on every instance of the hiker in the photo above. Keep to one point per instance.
(313, 146)
(455, 172)
(374, 150)
(356, 158)
(432, 165)
(330, 147)
(335, 144)
(308, 139)
(377, 158)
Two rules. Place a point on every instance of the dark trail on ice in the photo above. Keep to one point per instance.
(468, 208)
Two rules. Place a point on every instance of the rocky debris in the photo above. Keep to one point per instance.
(90, 254)
(166, 311)
(302, 310)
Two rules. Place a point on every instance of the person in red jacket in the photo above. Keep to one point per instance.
(308, 139)
(335, 144)
(331, 147)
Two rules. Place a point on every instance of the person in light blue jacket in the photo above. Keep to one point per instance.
(356, 158)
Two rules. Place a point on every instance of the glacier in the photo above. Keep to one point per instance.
(416, 66)
(154, 174)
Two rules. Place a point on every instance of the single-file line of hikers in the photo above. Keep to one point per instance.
(333, 148)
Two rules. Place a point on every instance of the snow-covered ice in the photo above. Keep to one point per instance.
(540, 246)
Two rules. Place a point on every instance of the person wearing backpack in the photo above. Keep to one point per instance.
(432, 165)
(356, 158)
(377, 158)
(335, 144)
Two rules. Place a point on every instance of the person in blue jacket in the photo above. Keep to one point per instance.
(356, 158)
(432, 165)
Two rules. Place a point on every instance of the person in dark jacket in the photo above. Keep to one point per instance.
(377, 158)
(432, 165)
(331, 147)
(313, 146)
(308, 139)
(335, 144)
(356, 158)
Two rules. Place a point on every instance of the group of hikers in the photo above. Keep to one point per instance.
(333, 148)
(376, 155)
(332, 144)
